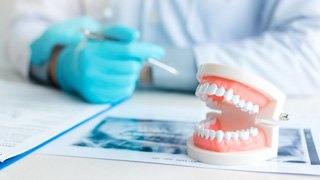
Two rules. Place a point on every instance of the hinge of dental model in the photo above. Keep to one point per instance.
(284, 117)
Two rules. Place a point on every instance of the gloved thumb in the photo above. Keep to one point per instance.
(121, 33)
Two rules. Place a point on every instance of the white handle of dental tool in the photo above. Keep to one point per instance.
(150, 61)
(161, 65)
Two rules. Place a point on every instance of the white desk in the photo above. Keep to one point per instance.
(36, 166)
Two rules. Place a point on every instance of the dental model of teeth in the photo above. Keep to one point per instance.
(203, 90)
(235, 135)
(219, 135)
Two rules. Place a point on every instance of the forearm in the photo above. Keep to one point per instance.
(46, 73)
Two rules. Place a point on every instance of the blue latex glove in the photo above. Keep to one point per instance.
(105, 71)
(65, 33)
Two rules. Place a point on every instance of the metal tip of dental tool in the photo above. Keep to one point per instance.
(93, 35)
(284, 117)
(162, 66)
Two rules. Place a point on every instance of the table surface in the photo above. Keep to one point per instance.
(39, 166)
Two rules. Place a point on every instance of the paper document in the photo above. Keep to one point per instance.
(164, 142)
(31, 115)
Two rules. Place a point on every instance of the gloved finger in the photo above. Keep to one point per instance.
(121, 33)
(116, 66)
(104, 80)
(139, 51)
(107, 95)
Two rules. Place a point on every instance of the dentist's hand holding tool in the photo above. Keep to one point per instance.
(103, 71)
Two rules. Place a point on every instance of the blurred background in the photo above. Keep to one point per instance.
(6, 7)
(6, 10)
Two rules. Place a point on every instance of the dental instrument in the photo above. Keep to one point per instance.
(151, 61)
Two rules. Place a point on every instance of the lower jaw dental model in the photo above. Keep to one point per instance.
(243, 127)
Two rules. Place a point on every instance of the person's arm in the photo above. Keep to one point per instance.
(30, 19)
(287, 52)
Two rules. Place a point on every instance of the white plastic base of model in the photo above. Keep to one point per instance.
(229, 158)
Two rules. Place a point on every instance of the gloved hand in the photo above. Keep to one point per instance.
(102, 71)
(105, 71)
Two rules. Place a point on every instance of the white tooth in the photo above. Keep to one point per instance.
(248, 106)
(207, 131)
(220, 91)
(244, 135)
(204, 89)
(235, 99)
(202, 133)
(204, 97)
(219, 135)
(234, 135)
(206, 125)
(243, 109)
(228, 95)
(212, 134)
(196, 129)
(241, 103)
(212, 89)
(255, 132)
(248, 130)
(255, 109)
(227, 135)
(198, 90)
(251, 112)
(199, 131)
(252, 131)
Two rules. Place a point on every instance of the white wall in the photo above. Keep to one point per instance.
(5, 13)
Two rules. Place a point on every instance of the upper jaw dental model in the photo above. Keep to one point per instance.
(242, 129)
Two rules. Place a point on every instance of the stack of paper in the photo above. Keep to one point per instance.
(31, 115)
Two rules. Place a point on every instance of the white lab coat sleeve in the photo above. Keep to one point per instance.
(30, 19)
(287, 53)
